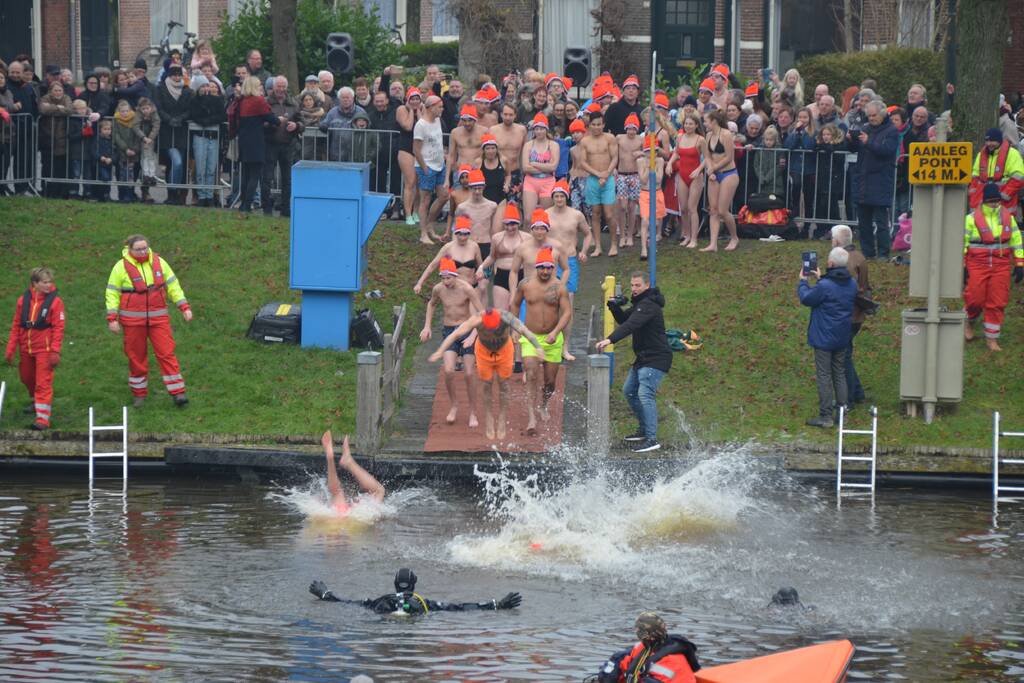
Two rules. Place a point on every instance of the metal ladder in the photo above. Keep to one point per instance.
(840, 458)
(997, 461)
(3, 392)
(123, 453)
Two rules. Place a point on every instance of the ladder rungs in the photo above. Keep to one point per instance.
(109, 455)
(1011, 433)
(1010, 488)
(867, 432)
(855, 486)
(1011, 461)
(117, 428)
(861, 458)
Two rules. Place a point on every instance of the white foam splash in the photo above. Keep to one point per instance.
(312, 500)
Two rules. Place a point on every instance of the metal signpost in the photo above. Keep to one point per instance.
(931, 364)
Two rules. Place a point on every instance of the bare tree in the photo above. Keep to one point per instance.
(981, 27)
(283, 14)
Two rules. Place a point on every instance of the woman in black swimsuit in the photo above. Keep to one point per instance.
(723, 178)
(497, 180)
(503, 249)
(407, 115)
(463, 250)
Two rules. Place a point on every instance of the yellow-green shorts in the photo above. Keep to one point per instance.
(552, 352)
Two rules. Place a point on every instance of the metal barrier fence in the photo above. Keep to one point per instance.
(18, 147)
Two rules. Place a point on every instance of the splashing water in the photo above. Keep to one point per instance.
(313, 501)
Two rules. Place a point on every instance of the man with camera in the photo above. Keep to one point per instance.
(644, 320)
(828, 333)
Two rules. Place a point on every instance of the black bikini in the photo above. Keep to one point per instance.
(471, 263)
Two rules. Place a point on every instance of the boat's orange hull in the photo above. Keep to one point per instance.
(822, 663)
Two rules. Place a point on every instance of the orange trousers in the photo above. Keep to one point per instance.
(137, 350)
(36, 370)
(988, 290)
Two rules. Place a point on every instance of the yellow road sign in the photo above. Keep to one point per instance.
(940, 163)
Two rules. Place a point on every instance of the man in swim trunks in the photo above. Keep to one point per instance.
(599, 156)
(406, 600)
(567, 224)
(464, 143)
(494, 359)
(526, 255)
(368, 484)
(547, 313)
(481, 211)
(627, 180)
(510, 136)
(460, 302)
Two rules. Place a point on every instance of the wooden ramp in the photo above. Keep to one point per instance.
(458, 437)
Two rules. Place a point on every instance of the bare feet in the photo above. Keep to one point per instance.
(993, 345)
(613, 252)
(473, 422)
(710, 247)
(426, 240)
(489, 426)
(596, 252)
(501, 428)
(732, 245)
(544, 414)
(567, 356)
(531, 426)
(346, 459)
(450, 419)
(691, 245)
(968, 332)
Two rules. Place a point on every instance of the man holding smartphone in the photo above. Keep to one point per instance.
(828, 332)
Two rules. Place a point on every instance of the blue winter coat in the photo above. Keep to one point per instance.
(802, 161)
(831, 303)
(876, 164)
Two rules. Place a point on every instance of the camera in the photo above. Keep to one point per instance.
(810, 262)
(619, 300)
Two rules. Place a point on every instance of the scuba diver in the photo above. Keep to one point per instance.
(659, 656)
(406, 600)
(786, 597)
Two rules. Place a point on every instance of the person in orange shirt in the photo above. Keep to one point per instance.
(38, 331)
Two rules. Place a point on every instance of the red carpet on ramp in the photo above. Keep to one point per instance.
(443, 437)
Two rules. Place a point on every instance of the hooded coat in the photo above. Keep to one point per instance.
(831, 304)
(645, 320)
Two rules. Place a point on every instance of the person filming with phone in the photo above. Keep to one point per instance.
(828, 332)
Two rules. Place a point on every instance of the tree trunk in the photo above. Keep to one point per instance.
(286, 59)
(981, 32)
(848, 25)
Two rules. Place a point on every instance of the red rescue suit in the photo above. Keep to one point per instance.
(137, 298)
(38, 332)
(995, 170)
(667, 663)
(992, 245)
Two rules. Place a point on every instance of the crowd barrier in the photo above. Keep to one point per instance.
(60, 156)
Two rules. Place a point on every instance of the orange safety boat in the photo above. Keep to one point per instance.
(822, 663)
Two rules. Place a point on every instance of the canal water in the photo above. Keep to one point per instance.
(201, 579)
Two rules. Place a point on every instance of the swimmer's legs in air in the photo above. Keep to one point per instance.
(366, 481)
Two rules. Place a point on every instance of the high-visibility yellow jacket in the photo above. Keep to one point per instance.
(131, 306)
(975, 239)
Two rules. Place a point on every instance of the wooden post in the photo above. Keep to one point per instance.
(368, 402)
(598, 381)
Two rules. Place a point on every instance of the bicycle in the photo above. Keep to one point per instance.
(154, 55)
(396, 35)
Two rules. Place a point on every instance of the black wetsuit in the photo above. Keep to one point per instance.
(412, 603)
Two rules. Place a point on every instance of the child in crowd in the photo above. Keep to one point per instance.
(770, 164)
(80, 145)
(831, 145)
(128, 148)
(149, 128)
(364, 145)
(311, 112)
(577, 176)
(104, 160)
(642, 158)
(37, 331)
(207, 111)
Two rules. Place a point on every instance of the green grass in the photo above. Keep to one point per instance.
(754, 378)
(228, 267)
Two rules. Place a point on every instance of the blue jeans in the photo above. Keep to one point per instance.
(640, 388)
(874, 233)
(854, 390)
(205, 151)
(177, 167)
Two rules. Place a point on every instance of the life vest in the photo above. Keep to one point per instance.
(997, 175)
(40, 323)
(641, 662)
(981, 223)
(153, 300)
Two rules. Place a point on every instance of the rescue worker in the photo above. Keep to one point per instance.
(38, 331)
(990, 235)
(406, 600)
(137, 294)
(659, 656)
(1000, 163)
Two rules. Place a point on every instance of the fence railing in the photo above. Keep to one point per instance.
(378, 386)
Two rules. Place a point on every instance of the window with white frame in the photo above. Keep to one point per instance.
(445, 23)
(917, 23)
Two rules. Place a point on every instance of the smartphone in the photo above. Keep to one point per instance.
(810, 262)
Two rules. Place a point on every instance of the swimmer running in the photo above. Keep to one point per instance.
(405, 599)
(367, 482)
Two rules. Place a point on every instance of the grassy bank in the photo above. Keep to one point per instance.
(228, 267)
(754, 378)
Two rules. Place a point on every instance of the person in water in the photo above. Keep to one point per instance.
(659, 656)
(406, 600)
(367, 482)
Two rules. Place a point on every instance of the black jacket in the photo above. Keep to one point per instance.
(644, 320)
(207, 110)
(615, 117)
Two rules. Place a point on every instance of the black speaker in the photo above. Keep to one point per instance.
(341, 53)
(576, 65)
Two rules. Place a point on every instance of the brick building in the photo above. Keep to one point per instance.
(747, 34)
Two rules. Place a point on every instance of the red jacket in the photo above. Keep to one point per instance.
(668, 663)
(33, 341)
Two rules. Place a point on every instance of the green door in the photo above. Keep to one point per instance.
(684, 34)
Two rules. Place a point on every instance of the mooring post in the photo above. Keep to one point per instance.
(368, 402)
(599, 368)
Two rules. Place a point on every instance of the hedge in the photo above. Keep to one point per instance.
(895, 69)
(424, 54)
